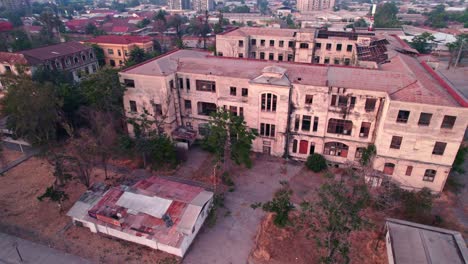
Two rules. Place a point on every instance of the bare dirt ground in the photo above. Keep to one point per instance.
(21, 214)
(8, 156)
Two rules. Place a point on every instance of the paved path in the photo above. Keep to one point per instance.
(232, 238)
(33, 253)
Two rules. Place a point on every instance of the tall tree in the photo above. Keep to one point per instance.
(421, 42)
(458, 49)
(385, 16)
(103, 91)
(229, 139)
(34, 111)
(334, 215)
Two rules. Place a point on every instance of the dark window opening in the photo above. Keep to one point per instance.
(281, 43)
(403, 116)
(233, 91)
(262, 55)
(304, 45)
(318, 46)
(245, 92)
(294, 146)
(272, 43)
(439, 148)
(133, 106)
(181, 83)
(241, 43)
(315, 127)
(329, 46)
(291, 44)
(262, 42)
(370, 104)
(448, 121)
(424, 119)
(349, 48)
(187, 84)
(253, 42)
(297, 122)
(271, 56)
(206, 108)
(309, 99)
(306, 121)
(338, 47)
(129, 83)
(396, 142)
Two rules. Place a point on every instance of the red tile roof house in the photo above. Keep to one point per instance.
(71, 57)
(155, 212)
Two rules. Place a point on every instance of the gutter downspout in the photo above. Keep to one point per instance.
(288, 125)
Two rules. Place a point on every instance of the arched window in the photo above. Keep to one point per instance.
(68, 61)
(388, 168)
(91, 55)
(75, 59)
(429, 175)
(268, 102)
(336, 149)
(83, 57)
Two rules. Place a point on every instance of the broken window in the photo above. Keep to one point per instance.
(304, 45)
(206, 86)
(429, 175)
(188, 105)
(181, 83)
(262, 42)
(206, 108)
(396, 142)
(329, 46)
(439, 148)
(233, 110)
(309, 99)
(339, 126)
(448, 121)
(281, 43)
(365, 129)
(403, 116)
(336, 149)
(187, 84)
(318, 46)
(358, 154)
(157, 109)
(424, 119)
(241, 43)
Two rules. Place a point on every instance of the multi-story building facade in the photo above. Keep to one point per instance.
(300, 109)
(303, 45)
(314, 5)
(70, 57)
(202, 5)
(117, 48)
(180, 4)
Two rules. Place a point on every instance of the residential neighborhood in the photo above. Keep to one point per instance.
(218, 131)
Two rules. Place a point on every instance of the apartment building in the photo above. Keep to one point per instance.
(202, 5)
(300, 109)
(117, 48)
(179, 4)
(303, 45)
(314, 5)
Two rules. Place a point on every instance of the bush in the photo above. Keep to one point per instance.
(316, 163)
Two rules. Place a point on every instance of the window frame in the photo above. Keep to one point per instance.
(426, 121)
(396, 142)
(401, 118)
(429, 175)
(439, 148)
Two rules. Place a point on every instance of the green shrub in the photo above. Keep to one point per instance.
(316, 163)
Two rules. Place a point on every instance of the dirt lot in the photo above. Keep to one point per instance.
(21, 214)
(8, 156)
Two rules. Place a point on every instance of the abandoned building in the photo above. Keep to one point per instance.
(316, 46)
(155, 212)
(298, 109)
(409, 243)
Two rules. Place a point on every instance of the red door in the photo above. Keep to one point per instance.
(303, 146)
